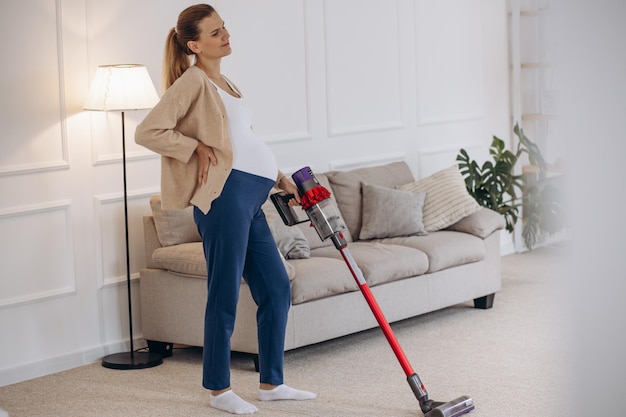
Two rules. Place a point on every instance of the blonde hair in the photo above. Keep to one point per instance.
(177, 56)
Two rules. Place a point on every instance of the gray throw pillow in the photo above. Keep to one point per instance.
(390, 213)
(290, 240)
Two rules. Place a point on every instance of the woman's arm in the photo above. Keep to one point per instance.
(157, 131)
(288, 187)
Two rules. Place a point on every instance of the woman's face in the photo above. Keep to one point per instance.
(213, 41)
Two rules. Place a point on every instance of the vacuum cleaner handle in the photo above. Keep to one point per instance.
(286, 212)
(378, 313)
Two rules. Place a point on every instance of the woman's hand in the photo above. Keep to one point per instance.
(206, 157)
(289, 187)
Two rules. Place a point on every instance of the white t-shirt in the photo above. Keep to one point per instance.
(250, 153)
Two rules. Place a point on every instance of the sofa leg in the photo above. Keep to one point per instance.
(165, 349)
(255, 358)
(484, 303)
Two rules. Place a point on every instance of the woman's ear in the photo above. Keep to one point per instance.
(193, 47)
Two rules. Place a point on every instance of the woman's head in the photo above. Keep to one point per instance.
(176, 58)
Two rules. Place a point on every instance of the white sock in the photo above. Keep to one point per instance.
(231, 402)
(283, 392)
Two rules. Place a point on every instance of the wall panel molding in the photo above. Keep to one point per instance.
(365, 128)
(449, 61)
(42, 250)
(431, 160)
(106, 138)
(288, 137)
(18, 146)
(110, 247)
(18, 169)
(354, 163)
(130, 157)
(353, 77)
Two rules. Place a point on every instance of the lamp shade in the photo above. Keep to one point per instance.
(121, 87)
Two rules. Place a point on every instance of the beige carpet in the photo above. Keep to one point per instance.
(508, 359)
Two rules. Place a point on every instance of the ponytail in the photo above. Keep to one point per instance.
(177, 57)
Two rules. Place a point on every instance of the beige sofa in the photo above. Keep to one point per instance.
(428, 246)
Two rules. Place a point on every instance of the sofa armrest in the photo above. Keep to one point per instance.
(151, 240)
(481, 223)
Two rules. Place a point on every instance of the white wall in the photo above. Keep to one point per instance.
(335, 84)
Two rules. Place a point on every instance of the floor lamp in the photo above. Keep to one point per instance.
(122, 88)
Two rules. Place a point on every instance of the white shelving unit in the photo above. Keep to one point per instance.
(535, 83)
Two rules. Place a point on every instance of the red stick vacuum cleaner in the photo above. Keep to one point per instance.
(325, 219)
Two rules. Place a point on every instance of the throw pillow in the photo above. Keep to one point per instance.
(482, 223)
(447, 200)
(391, 213)
(290, 240)
(173, 226)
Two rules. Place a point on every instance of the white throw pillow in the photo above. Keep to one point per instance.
(447, 200)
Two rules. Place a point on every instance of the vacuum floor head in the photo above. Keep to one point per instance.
(454, 408)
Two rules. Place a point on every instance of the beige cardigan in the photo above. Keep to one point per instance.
(189, 111)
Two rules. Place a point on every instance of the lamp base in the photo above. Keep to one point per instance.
(132, 360)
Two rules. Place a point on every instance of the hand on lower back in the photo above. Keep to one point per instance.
(206, 158)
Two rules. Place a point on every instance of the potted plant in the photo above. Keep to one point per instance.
(495, 185)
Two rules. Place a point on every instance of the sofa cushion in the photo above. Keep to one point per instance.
(447, 199)
(185, 258)
(309, 231)
(319, 277)
(445, 249)
(290, 240)
(346, 186)
(188, 259)
(390, 213)
(173, 226)
(381, 262)
(482, 223)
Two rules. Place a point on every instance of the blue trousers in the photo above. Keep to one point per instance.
(238, 243)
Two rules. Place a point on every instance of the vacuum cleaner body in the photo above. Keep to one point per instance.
(324, 217)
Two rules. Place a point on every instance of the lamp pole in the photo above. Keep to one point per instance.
(132, 359)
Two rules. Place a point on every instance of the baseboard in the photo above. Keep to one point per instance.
(61, 363)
